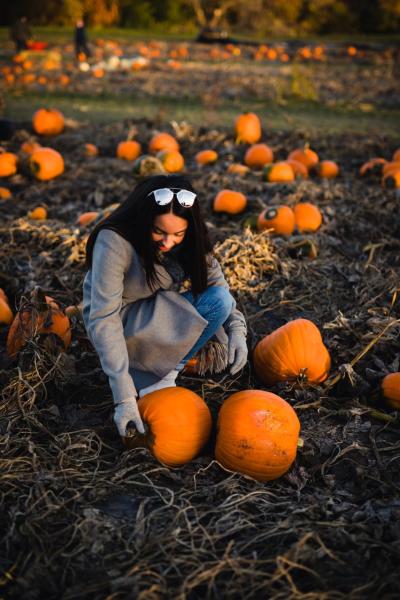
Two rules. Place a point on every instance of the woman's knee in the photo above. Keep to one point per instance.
(221, 300)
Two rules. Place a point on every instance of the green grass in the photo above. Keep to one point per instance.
(179, 33)
(294, 115)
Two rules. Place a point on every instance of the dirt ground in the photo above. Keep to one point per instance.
(84, 518)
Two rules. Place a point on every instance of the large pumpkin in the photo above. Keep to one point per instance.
(327, 169)
(48, 121)
(280, 172)
(178, 424)
(305, 155)
(230, 202)
(257, 434)
(40, 315)
(258, 155)
(46, 163)
(391, 390)
(205, 157)
(8, 164)
(171, 160)
(129, 150)
(293, 352)
(248, 128)
(279, 219)
(6, 315)
(163, 141)
(299, 169)
(308, 217)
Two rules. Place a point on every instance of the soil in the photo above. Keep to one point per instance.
(82, 517)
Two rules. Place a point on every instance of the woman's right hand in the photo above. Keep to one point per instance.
(126, 411)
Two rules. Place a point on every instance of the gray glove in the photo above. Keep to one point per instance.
(126, 411)
(237, 351)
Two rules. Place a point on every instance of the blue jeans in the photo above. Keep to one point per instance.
(215, 305)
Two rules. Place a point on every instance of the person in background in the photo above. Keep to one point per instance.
(81, 46)
(20, 34)
(155, 295)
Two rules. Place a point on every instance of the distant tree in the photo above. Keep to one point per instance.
(327, 16)
(210, 13)
(389, 15)
(101, 12)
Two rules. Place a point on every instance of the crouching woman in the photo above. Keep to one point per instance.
(154, 295)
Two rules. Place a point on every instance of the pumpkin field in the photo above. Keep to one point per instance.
(305, 224)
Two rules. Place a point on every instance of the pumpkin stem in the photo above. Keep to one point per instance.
(136, 439)
(303, 375)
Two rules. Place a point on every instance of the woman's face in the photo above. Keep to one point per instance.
(168, 231)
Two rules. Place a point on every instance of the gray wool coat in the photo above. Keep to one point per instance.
(141, 334)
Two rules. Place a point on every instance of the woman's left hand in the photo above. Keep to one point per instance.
(237, 351)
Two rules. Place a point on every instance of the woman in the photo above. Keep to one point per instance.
(140, 318)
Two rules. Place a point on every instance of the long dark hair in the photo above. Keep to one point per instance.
(134, 220)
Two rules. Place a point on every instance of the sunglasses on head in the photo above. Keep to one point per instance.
(164, 196)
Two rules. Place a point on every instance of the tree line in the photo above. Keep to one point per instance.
(263, 17)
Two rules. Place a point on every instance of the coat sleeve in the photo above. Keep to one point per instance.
(110, 261)
(236, 320)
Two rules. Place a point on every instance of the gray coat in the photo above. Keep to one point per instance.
(141, 335)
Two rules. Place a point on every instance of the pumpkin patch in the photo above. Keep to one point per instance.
(221, 497)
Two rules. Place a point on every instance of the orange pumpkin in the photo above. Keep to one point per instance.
(46, 163)
(300, 170)
(4, 193)
(8, 164)
(40, 315)
(396, 156)
(6, 315)
(293, 352)
(391, 179)
(391, 390)
(171, 160)
(48, 121)
(205, 157)
(258, 155)
(38, 214)
(248, 128)
(280, 172)
(163, 141)
(280, 219)
(257, 434)
(91, 150)
(327, 169)
(178, 424)
(230, 202)
(129, 150)
(308, 217)
(191, 367)
(238, 169)
(372, 166)
(29, 146)
(305, 155)
(87, 217)
(390, 167)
